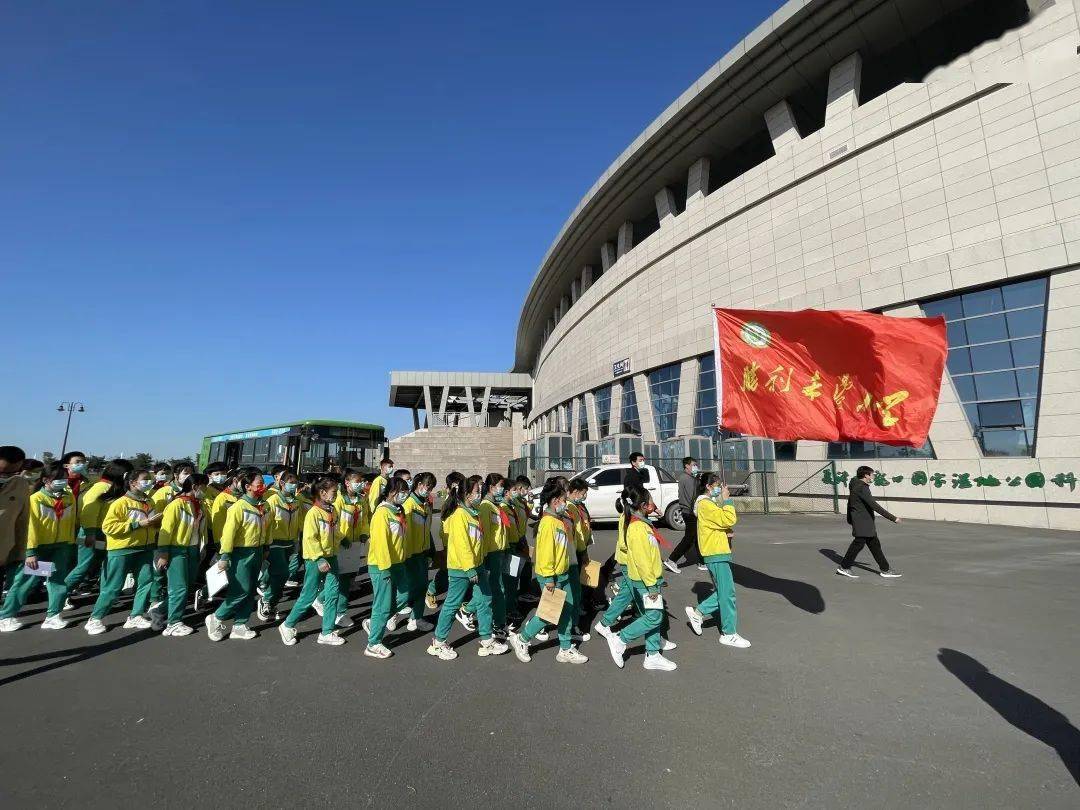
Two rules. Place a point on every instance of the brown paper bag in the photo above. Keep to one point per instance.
(551, 605)
(590, 575)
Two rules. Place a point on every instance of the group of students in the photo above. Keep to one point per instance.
(159, 532)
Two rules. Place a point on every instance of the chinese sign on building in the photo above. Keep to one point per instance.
(958, 480)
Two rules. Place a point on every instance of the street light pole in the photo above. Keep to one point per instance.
(70, 408)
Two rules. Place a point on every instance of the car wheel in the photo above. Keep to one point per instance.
(674, 519)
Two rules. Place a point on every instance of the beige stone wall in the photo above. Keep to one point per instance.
(469, 450)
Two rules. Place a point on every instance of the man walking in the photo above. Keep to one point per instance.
(861, 506)
(687, 547)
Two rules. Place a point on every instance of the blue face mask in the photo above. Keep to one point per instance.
(694, 469)
(715, 492)
(497, 493)
(57, 485)
(289, 489)
(560, 509)
(79, 469)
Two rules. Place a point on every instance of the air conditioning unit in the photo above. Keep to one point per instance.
(616, 448)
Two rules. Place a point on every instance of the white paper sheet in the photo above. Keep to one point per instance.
(216, 580)
(44, 569)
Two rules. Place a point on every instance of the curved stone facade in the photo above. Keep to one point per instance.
(967, 180)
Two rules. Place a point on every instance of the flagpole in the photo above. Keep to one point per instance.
(719, 391)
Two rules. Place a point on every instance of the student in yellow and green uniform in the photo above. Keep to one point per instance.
(180, 539)
(494, 523)
(130, 527)
(50, 538)
(517, 542)
(418, 550)
(219, 479)
(160, 497)
(91, 546)
(243, 547)
(624, 596)
(354, 524)
(578, 516)
(716, 516)
(645, 577)
(386, 565)
(440, 582)
(465, 566)
(554, 550)
(285, 515)
(319, 548)
(378, 486)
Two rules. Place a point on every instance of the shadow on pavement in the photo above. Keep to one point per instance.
(802, 595)
(1017, 707)
(839, 558)
(76, 655)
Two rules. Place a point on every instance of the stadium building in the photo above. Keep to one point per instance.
(901, 156)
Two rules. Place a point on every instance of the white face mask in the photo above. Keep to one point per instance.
(388, 472)
(143, 486)
(184, 476)
(217, 478)
(401, 497)
(354, 486)
(161, 477)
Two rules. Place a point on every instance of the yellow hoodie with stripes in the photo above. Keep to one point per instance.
(554, 547)
(246, 526)
(491, 524)
(45, 528)
(417, 526)
(119, 524)
(353, 518)
(92, 512)
(714, 520)
(286, 519)
(643, 561)
(386, 546)
(181, 526)
(320, 533)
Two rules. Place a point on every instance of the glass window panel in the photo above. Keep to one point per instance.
(972, 411)
(1001, 414)
(1025, 293)
(838, 450)
(1027, 382)
(983, 330)
(950, 308)
(1005, 442)
(603, 410)
(1025, 322)
(959, 361)
(965, 388)
(991, 357)
(1001, 385)
(1027, 352)
(957, 333)
(982, 302)
(630, 421)
(1028, 406)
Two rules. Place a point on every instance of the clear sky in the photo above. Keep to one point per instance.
(217, 215)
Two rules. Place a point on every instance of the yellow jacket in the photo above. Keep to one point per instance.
(582, 526)
(377, 487)
(218, 510)
(353, 521)
(386, 546)
(246, 526)
(286, 520)
(417, 526)
(119, 524)
(320, 534)
(554, 548)
(45, 527)
(92, 511)
(163, 496)
(180, 525)
(491, 524)
(713, 522)
(643, 562)
(210, 493)
(464, 540)
(620, 543)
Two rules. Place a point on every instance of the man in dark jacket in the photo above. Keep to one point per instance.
(687, 547)
(861, 506)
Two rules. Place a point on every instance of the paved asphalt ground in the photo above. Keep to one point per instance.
(955, 686)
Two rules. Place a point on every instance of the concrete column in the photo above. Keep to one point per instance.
(615, 417)
(697, 181)
(845, 80)
(665, 205)
(469, 404)
(427, 404)
(688, 389)
(442, 404)
(781, 123)
(415, 419)
(590, 414)
(484, 406)
(644, 407)
(575, 291)
(564, 306)
(550, 328)
(607, 255)
(626, 239)
(557, 314)
(586, 278)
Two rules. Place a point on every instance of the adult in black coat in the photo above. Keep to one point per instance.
(861, 506)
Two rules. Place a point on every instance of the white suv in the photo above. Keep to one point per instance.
(606, 483)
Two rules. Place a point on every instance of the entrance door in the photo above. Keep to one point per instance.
(232, 454)
(292, 454)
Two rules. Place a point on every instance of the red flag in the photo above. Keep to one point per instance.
(829, 375)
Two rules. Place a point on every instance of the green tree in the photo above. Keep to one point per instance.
(172, 462)
(142, 461)
(47, 457)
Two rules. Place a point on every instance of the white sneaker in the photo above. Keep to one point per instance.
(695, 619)
(377, 651)
(9, 625)
(288, 634)
(658, 662)
(391, 623)
(155, 606)
(343, 621)
(672, 567)
(242, 632)
(441, 650)
(333, 639)
(292, 584)
(68, 605)
(492, 647)
(464, 619)
(602, 629)
(202, 598)
(215, 629)
(137, 623)
(263, 610)
(617, 648)
(578, 636)
(542, 636)
(846, 572)
(890, 574)
(318, 606)
(571, 656)
(666, 645)
(260, 590)
(54, 622)
(129, 583)
(419, 625)
(94, 627)
(702, 567)
(178, 629)
(366, 624)
(734, 640)
(520, 647)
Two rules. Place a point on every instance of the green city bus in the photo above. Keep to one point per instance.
(307, 446)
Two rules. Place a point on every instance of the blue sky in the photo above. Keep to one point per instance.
(222, 215)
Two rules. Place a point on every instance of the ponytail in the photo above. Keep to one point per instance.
(458, 491)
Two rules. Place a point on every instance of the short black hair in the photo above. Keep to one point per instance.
(689, 460)
(12, 454)
(635, 456)
(215, 467)
(70, 454)
(278, 468)
(864, 470)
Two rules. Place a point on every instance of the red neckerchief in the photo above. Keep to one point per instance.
(503, 517)
(588, 517)
(187, 496)
(74, 482)
(652, 530)
(329, 510)
(58, 508)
